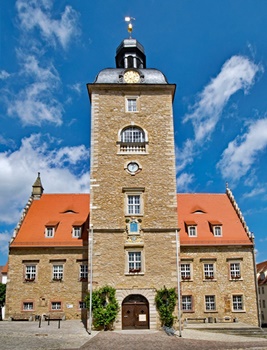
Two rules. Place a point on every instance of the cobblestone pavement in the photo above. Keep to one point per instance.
(73, 336)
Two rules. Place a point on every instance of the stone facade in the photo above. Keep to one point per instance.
(222, 286)
(43, 290)
(111, 182)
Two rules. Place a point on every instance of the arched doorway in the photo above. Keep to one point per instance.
(135, 312)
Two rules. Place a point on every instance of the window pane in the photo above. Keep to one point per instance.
(57, 272)
(134, 204)
(28, 306)
(56, 305)
(208, 270)
(217, 231)
(185, 271)
(30, 272)
(210, 302)
(131, 105)
(192, 231)
(134, 261)
(237, 302)
(235, 270)
(83, 271)
(132, 134)
(187, 302)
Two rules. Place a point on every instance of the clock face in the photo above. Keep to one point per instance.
(131, 76)
(132, 167)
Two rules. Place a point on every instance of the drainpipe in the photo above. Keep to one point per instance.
(256, 280)
(91, 242)
(178, 282)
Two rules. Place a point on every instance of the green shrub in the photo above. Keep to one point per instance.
(165, 302)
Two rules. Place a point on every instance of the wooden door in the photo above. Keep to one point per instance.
(135, 314)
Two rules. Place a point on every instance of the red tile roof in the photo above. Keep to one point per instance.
(60, 210)
(67, 210)
(262, 273)
(5, 268)
(216, 209)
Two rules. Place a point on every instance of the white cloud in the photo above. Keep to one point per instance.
(4, 74)
(63, 173)
(4, 241)
(237, 73)
(35, 103)
(241, 154)
(38, 14)
(76, 87)
(183, 181)
(255, 192)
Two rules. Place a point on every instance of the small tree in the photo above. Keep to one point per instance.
(165, 302)
(104, 307)
(2, 298)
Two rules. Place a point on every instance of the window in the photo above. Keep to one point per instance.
(49, 231)
(217, 230)
(131, 104)
(132, 140)
(83, 272)
(56, 305)
(82, 305)
(57, 272)
(30, 272)
(210, 302)
(185, 271)
(263, 304)
(262, 290)
(76, 231)
(27, 306)
(237, 302)
(209, 271)
(133, 227)
(192, 231)
(235, 271)
(134, 261)
(134, 204)
(187, 303)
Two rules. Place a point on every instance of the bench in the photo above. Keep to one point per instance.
(204, 319)
(22, 317)
(55, 316)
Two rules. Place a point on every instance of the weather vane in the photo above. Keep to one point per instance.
(130, 25)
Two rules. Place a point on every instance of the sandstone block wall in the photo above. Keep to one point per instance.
(44, 290)
(221, 286)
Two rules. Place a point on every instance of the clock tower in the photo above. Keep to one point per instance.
(133, 204)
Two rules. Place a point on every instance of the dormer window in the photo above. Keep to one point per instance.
(191, 227)
(49, 231)
(76, 231)
(216, 228)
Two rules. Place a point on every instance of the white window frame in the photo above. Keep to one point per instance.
(192, 230)
(134, 209)
(136, 264)
(210, 303)
(83, 271)
(131, 104)
(235, 270)
(76, 231)
(49, 231)
(187, 303)
(58, 271)
(238, 303)
(209, 270)
(217, 230)
(56, 305)
(185, 271)
(132, 139)
(30, 271)
(29, 304)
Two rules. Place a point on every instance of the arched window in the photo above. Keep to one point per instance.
(132, 140)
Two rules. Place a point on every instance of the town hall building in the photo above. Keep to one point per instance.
(134, 230)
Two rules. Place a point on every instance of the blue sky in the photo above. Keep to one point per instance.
(216, 53)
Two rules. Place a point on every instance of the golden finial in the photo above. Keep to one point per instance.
(130, 25)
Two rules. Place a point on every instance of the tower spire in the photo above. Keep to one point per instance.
(37, 188)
